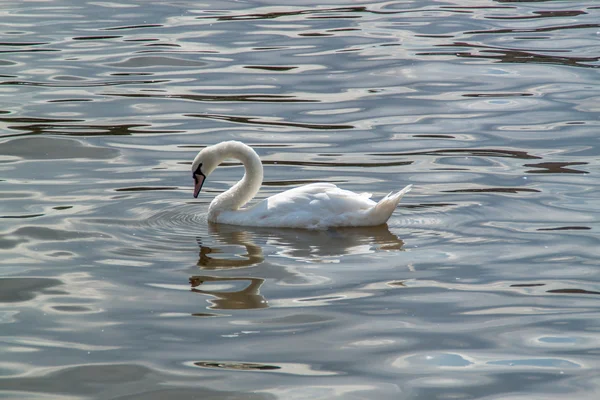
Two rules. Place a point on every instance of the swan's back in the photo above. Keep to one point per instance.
(315, 206)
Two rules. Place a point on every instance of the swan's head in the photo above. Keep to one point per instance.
(204, 163)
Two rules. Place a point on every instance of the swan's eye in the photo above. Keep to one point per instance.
(198, 170)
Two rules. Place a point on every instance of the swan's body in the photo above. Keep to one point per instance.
(313, 206)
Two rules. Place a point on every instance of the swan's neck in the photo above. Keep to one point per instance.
(243, 191)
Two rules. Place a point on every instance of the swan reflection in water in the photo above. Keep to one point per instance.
(324, 246)
(246, 298)
(316, 246)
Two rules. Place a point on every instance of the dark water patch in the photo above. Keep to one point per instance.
(260, 98)
(572, 291)
(168, 45)
(81, 84)
(338, 164)
(280, 14)
(566, 228)
(493, 190)
(56, 292)
(104, 37)
(84, 130)
(70, 101)
(317, 34)
(527, 284)
(132, 27)
(202, 314)
(238, 366)
(493, 95)
(429, 205)
(29, 51)
(14, 290)
(143, 40)
(561, 28)
(43, 148)
(355, 30)
(21, 216)
(10, 242)
(542, 14)
(72, 309)
(555, 168)
(269, 48)
(523, 155)
(267, 122)
(131, 74)
(146, 188)
(513, 56)
(435, 136)
(62, 207)
(22, 43)
(270, 68)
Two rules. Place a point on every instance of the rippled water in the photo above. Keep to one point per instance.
(483, 285)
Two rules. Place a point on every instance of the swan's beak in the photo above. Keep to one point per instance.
(198, 182)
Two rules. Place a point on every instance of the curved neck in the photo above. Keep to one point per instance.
(243, 191)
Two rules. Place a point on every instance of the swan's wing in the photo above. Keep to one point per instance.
(314, 206)
(308, 206)
(318, 199)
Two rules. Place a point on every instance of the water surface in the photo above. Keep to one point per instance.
(483, 285)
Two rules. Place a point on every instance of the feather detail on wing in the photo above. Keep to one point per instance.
(316, 206)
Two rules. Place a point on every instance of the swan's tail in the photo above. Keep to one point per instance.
(385, 207)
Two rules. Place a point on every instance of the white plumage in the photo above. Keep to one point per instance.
(313, 206)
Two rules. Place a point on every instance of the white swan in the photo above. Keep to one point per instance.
(313, 206)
